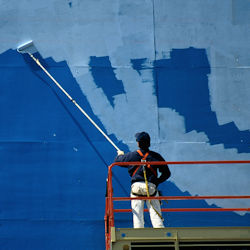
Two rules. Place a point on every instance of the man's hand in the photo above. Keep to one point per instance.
(119, 152)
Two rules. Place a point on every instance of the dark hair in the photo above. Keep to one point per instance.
(143, 139)
(144, 144)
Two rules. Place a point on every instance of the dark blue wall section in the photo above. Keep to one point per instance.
(197, 219)
(182, 83)
(52, 174)
(44, 234)
(54, 162)
(103, 72)
(31, 96)
(139, 64)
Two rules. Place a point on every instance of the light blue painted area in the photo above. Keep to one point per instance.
(177, 69)
(179, 79)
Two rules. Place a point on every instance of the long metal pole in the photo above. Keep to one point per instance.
(73, 101)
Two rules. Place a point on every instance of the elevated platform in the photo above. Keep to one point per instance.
(193, 238)
(188, 238)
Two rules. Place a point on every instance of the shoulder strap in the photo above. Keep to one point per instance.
(144, 157)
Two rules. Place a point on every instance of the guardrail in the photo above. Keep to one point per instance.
(109, 209)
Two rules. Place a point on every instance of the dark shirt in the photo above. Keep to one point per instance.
(139, 176)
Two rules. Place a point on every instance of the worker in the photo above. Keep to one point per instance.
(138, 182)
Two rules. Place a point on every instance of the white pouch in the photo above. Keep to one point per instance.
(139, 188)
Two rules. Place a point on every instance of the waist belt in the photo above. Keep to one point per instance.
(141, 195)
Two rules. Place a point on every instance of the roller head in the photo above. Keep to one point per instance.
(27, 48)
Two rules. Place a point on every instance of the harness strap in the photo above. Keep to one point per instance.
(141, 195)
(144, 159)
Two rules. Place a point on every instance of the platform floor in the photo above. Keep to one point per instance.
(192, 238)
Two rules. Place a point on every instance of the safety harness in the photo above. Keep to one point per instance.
(144, 157)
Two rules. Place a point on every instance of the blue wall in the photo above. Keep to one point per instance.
(164, 67)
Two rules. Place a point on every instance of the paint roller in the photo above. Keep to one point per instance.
(30, 49)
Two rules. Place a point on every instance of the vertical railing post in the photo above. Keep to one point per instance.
(106, 217)
(111, 209)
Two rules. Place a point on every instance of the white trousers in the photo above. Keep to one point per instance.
(138, 207)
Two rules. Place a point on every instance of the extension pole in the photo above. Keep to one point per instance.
(72, 100)
(148, 195)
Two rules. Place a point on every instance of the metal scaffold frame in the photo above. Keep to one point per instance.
(174, 235)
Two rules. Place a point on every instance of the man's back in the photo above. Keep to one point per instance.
(138, 176)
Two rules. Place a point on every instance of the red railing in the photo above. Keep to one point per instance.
(109, 210)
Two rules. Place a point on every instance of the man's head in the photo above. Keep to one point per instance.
(143, 140)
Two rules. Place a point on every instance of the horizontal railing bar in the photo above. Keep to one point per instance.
(188, 210)
(181, 197)
(178, 162)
